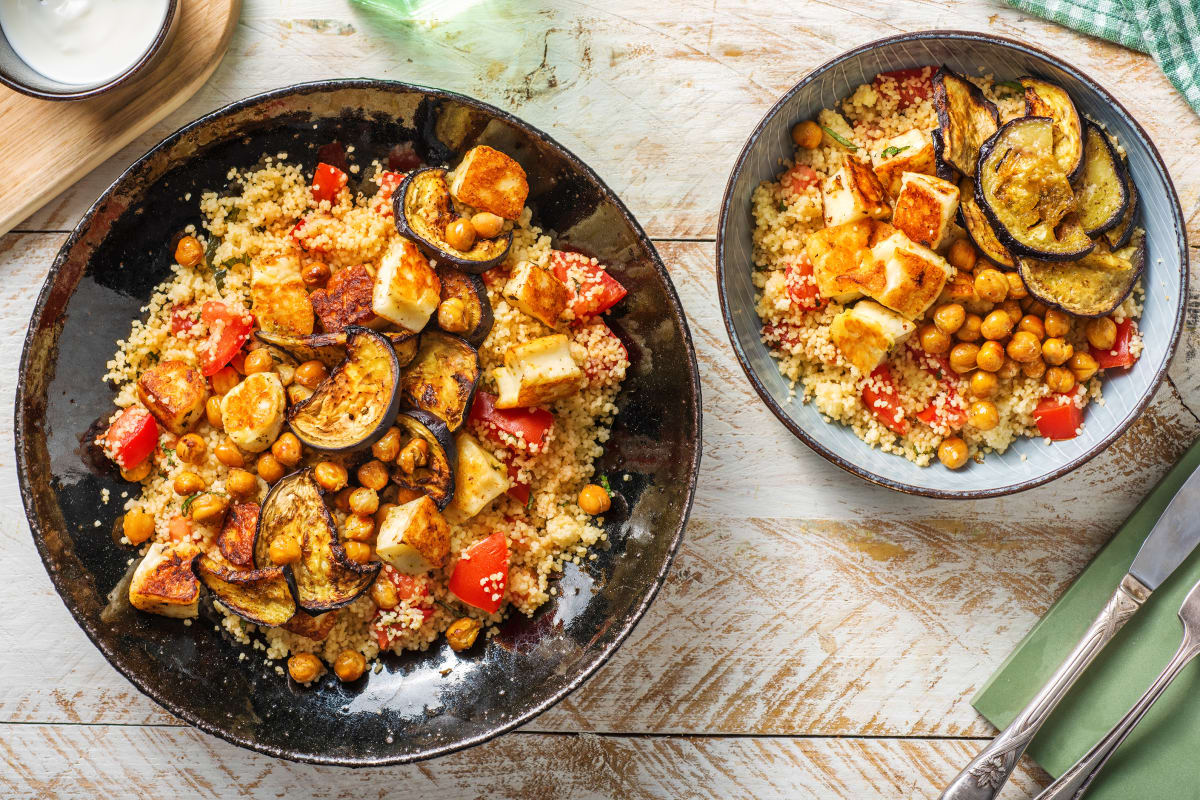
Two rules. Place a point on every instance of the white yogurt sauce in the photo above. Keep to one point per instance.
(81, 41)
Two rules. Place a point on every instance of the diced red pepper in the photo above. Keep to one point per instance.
(388, 183)
(403, 158)
(1121, 353)
(600, 366)
(945, 416)
(517, 491)
(227, 332)
(1058, 417)
(183, 319)
(481, 574)
(782, 333)
(530, 424)
(913, 84)
(801, 285)
(328, 180)
(879, 395)
(798, 179)
(593, 290)
(407, 588)
(131, 438)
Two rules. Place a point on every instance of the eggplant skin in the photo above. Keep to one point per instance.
(443, 377)
(966, 119)
(1091, 286)
(330, 348)
(355, 405)
(261, 596)
(979, 229)
(470, 289)
(423, 208)
(1120, 235)
(1045, 99)
(1103, 191)
(436, 478)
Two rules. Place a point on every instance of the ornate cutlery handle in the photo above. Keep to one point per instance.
(988, 771)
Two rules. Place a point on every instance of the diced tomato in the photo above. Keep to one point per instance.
(530, 424)
(782, 333)
(480, 576)
(407, 588)
(801, 286)
(179, 529)
(1121, 353)
(593, 290)
(183, 319)
(799, 179)
(388, 182)
(913, 84)
(403, 158)
(945, 416)
(227, 332)
(1058, 417)
(603, 361)
(131, 438)
(328, 180)
(517, 491)
(879, 395)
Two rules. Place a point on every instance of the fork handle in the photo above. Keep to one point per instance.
(983, 778)
(1075, 781)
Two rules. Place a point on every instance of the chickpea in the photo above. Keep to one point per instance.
(807, 134)
(412, 455)
(383, 593)
(188, 482)
(1013, 309)
(1024, 347)
(952, 452)
(1035, 307)
(1101, 333)
(997, 325)
(238, 362)
(138, 473)
(358, 552)
(138, 526)
(934, 340)
(1016, 286)
(460, 235)
(228, 454)
(358, 528)
(209, 508)
(983, 415)
(1060, 379)
(286, 449)
(949, 317)
(349, 666)
(316, 274)
(1056, 351)
(1034, 369)
(1033, 325)
(962, 255)
(241, 484)
(304, 667)
(1083, 366)
(190, 448)
(258, 361)
(991, 285)
(364, 501)
(269, 469)
(452, 315)
(990, 357)
(212, 412)
(388, 446)
(462, 633)
(984, 384)
(594, 500)
(341, 500)
(286, 371)
(373, 475)
(297, 394)
(963, 357)
(284, 550)
(225, 379)
(1058, 323)
(969, 332)
(487, 225)
(1010, 370)
(311, 374)
(330, 476)
(189, 252)
(382, 512)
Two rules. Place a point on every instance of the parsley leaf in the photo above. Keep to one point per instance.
(187, 502)
(1014, 85)
(893, 151)
(210, 250)
(605, 484)
(219, 278)
(842, 140)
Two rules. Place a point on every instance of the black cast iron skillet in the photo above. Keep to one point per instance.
(106, 271)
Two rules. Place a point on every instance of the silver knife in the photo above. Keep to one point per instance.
(1170, 542)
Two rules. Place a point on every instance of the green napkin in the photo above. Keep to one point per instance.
(1161, 758)
(1169, 30)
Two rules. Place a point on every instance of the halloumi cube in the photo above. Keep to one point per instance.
(407, 289)
(925, 208)
(908, 152)
(280, 300)
(164, 583)
(853, 192)
(175, 393)
(252, 412)
(490, 181)
(537, 372)
(414, 537)
(907, 277)
(866, 333)
(479, 479)
(835, 254)
(537, 293)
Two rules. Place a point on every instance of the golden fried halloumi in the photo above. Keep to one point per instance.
(280, 300)
(908, 152)
(491, 181)
(866, 333)
(407, 289)
(236, 539)
(414, 537)
(346, 300)
(905, 276)
(164, 583)
(537, 372)
(252, 412)
(174, 393)
(925, 208)
(852, 193)
(537, 293)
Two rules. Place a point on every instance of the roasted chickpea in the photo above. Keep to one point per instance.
(997, 325)
(934, 340)
(952, 452)
(969, 332)
(238, 362)
(209, 508)
(982, 415)
(382, 512)
(212, 412)
(1016, 286)
(286, 372)
(137, 473)
(963, 357)
(460, 234)
(1058, 323)
(358, 552)
(984, 384)
(188, 482)
(286, 449)
(330, 476)
(1010, 370)
(258, 361)
(594, 500)
(1033, 325)
(807, 134)
(1035, 307)
(991, 285)
(1013, 309)
(1056, 351)
(228, 454)
(189, 252)
(452, 315)
(412, 455)
(364, 501)
(373, 475)
(269, 468)
(1101, 333)
(462, 633)
(138, 526)
(1034, 369)
(487, 225)
(388, 446)
(284, 550)
(316, 274)
(310, 374)
(190, 448)
(224, 379)
(358, 528)
(962, 255)
(304, 667)
(383, 592)
(1083, 366)
(1060, 379)
(1024, 347)
(297, 394)
(949, 317)
(990, 357)
(241, 484)
(341, 500)
(349, 666)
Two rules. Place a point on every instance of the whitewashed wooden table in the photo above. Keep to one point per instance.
(817, 636)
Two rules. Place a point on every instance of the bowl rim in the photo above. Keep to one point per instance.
(22, 434)
(82, 91)
(851, 466)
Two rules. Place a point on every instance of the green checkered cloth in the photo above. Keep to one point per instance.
(1169, 30)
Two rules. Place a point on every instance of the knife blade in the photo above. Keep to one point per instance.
(1173, 537)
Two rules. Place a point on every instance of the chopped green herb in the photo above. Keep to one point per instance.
(210, 251)
(1014, 85)
(893, 151)
(605, 484)
(187, 502)
(219, 278)
(842, 140)
(529, 501)
(782, 206)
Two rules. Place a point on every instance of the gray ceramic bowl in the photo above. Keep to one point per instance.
(1029, 462)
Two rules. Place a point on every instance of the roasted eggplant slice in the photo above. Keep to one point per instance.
(330, 348)
(356, 404)
(1026, 196)
(966, 119)
(1103, 194)
(1044, 99)
(980, 229)
(1119, 236)
(436, 476)
(424, 208)
(236, 539)
(324, 578)
(940, 168)
(477, 317)
(1093, 285)
(442, 378)
(260, 596)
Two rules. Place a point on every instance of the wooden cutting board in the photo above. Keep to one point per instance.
(46, 145)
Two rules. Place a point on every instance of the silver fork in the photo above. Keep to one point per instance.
(1075, 781)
